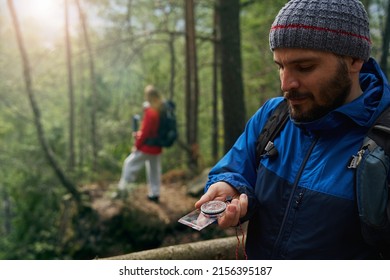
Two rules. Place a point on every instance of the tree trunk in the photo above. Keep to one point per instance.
(214, 249)
(71, 188)
(192, 88)
(129, 20)
(216, 56)
(386, 42)
(231, 72)
(171, 45)
(71, 162)
(94, 97)
(7, 214)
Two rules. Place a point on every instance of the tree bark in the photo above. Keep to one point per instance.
(71, 161)
(231, 72)
(66, 182)
(94, 96)
(216, 56)
(171, 45)
(386, 42)
(215, 249)
(192, 87)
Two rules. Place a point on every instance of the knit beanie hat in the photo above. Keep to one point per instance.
(337, 26)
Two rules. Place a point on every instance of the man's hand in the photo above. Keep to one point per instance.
(234, 211)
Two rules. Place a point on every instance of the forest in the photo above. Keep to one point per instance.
(72, 77)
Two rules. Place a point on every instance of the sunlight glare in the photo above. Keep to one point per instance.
(45, 18)
(43, 11)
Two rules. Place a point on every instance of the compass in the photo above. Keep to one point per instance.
(213, 208)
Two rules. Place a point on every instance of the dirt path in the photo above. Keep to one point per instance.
(174, 202)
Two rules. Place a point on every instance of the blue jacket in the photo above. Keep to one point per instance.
(302, 203)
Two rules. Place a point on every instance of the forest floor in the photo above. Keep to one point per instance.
(174, 202)
(177, 198)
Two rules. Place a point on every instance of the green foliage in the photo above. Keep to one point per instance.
(260, 74)
(33, 227)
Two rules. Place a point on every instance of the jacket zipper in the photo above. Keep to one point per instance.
(290, 201)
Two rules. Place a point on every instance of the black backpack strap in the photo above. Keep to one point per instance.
(372, 185)
(273, 126)
(380, 131)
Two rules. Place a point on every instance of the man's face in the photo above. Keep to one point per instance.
(313, 82)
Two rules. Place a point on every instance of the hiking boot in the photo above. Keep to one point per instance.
(153, 198)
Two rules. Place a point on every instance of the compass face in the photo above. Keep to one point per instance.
(213, 208)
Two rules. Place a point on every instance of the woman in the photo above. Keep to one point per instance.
(143, 153)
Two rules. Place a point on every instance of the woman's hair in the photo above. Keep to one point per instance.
(153, 96)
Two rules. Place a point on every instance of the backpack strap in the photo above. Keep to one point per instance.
(380, 131)
(273, 126)
(372, 167)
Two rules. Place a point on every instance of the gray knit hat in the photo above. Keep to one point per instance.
(337, 26)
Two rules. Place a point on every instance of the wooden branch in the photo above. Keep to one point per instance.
(216, 249)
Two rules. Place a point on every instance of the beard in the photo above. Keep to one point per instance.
(332, 94)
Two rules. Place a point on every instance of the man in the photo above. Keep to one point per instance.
(301, 203)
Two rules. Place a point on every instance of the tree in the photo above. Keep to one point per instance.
(93, 81)
(192, 86)
(386, 41)
(216, 62)
(234, 112)
(70, 88)
(66, 182)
